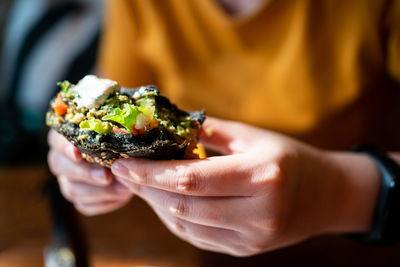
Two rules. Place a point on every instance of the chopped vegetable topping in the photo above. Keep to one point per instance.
(134, 131)
(96, 125)
(99, 105)
(118, 130)
(126, 116)
(60, 108)
(65, 85)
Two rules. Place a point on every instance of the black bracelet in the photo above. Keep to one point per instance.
(386, 222)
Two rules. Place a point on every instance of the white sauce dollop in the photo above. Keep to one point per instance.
(91, 91)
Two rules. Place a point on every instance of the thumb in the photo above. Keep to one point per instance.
(226, 137)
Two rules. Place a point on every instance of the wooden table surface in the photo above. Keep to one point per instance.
(133, 235)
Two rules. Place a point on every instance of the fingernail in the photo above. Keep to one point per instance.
(119, 170)
(70, 151)
(99, 175)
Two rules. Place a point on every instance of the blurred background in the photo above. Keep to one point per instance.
(45, 41)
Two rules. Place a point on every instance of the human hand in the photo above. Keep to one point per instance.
(91, 188)
(266, 192)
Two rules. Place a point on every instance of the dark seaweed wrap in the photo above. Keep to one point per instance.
(157, 143)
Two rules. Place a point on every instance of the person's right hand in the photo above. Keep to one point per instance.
(90, 187)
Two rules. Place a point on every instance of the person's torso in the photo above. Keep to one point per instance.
(312, 69)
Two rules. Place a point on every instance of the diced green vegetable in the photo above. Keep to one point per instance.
(147, 107)
(145, 102)
(131, 114)
(126, 116)
(180, 131)
(65, 85)
(96, 125)
(185, 124)
(148, 112)
(110, 99)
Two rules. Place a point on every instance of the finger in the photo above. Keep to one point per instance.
(215, 138)
(228, 137)
(195, 177)
(205, 245)
(60, 143)
(221, 212)
(100, 208)
(214, 176)
(85, 193)
(219, 238)
(80, 172)
(201, 244)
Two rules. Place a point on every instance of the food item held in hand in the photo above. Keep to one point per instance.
(106, 122)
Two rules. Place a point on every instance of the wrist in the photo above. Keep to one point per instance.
(354, 188)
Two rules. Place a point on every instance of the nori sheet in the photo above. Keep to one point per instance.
(157, 143)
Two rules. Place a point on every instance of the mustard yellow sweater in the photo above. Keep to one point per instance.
(323, 71)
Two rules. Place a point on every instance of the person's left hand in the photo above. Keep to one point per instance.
(90, 187)
(266, 192)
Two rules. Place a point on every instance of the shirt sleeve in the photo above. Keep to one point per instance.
(119, 53)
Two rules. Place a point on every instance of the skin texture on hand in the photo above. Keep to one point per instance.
(267, 191)
(90, 187)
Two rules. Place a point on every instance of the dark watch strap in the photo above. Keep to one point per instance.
(386, 222)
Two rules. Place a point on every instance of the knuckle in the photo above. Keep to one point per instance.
(286, 165)
(188, 180)
(278, 175)
(280, 166)
(267, 230)
(179, 226)
(179, 206)
(275, 226)
(266, 178)
(275, 174)
(254, 249)
(287, 157)
(144, 176)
